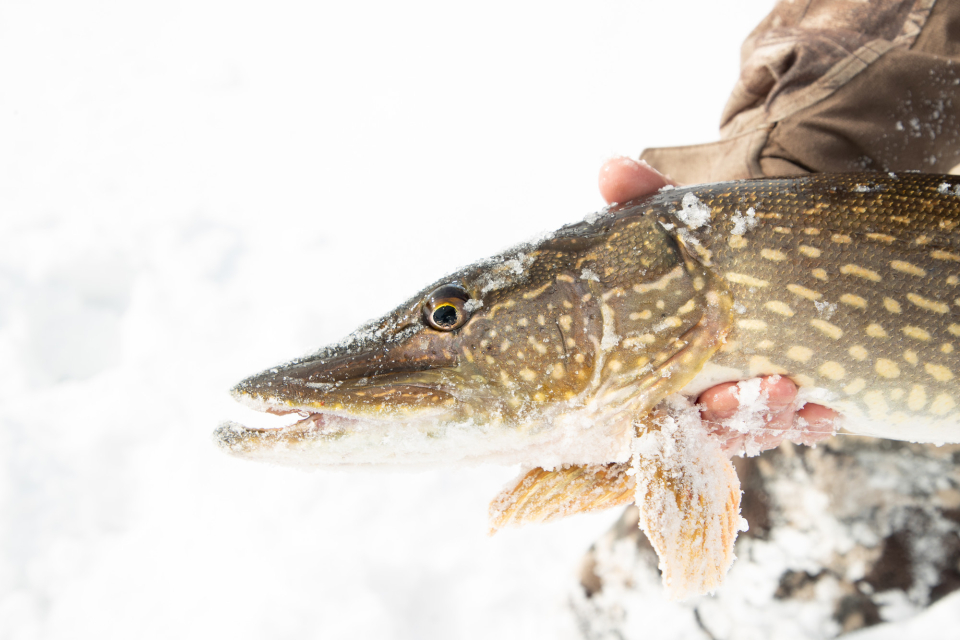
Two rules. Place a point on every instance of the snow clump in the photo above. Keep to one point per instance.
(743, 223)
(946, 188)
(694, 213)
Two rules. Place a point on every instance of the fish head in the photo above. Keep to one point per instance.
(501, 361)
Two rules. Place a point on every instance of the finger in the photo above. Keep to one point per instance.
(722, 401)
(782, 419)
(818, 422)
(821, 423)
(777, 423)
(623, 179)
(816, 414)
(781, 393)
(719, 402)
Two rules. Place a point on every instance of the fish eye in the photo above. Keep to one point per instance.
(445, 308)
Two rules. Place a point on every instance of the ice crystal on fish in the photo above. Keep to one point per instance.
(693, 213)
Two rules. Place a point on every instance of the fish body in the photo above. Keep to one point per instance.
(559, 354)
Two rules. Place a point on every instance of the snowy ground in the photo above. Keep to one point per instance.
(193, 191)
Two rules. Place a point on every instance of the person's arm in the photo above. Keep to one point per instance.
(834, 86)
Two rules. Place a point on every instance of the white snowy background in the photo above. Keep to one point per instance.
(193, 191)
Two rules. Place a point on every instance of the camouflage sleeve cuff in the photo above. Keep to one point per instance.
(837, 86)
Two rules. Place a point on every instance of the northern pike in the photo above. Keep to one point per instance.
(561, 354)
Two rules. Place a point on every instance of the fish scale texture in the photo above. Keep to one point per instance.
(849, 284)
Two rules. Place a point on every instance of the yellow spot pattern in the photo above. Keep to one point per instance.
(939, 372)
(929, 305)
(853, 301)
(909, 268)
(688, 307)
(856, 386)
(887, 368)
(944, 255)
(751, 324)
(761, 365)
(779, 307)
(832, 370)
(737, 242)
(749, 281)
(877, 404)
(942, 404)
(916, 333)
(803, 292)
(800, 354)
(773, 254)
(830, 330)
(917, 398)
(876, 331)
(857, 352)
(860, 272)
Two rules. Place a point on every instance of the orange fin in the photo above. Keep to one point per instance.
(542, 496)
(689, 498)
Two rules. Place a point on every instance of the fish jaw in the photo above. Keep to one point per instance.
(393, 419)
(330, 440)
(471, 425)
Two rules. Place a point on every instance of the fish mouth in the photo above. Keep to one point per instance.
(336, 421)
(464, 426)
(239, 439)
(323, 415)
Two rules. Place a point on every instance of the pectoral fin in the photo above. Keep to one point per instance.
(542, 496)
(689, 499)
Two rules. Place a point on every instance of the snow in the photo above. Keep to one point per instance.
(693, 213)
(195, 192)
(825, 309)
(742, 223)
(589, 274)
(942, 620)
(749, 418)
(502, 274)
(946, 188)
(825, 548)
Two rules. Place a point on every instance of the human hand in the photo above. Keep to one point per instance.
(623, 179)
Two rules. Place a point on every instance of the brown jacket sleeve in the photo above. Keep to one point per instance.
(837, 85)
